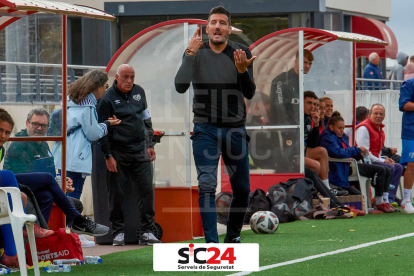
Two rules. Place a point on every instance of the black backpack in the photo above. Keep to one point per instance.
(291, 199)
(258, 201)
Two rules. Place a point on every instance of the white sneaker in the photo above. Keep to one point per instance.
(407, 207)
(119, 239)
(85, 242)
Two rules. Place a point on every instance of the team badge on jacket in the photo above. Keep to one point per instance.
(137, 97)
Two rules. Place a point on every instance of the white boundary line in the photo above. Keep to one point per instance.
(327, 254)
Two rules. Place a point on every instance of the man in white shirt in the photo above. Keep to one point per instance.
(370, 134)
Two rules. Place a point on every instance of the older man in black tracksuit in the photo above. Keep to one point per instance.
(128, 151)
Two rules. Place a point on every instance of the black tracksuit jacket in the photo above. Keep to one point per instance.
(135, 131)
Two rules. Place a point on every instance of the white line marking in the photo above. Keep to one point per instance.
(326, 254)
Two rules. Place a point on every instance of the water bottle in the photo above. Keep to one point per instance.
(57, 268)
(93, 260)
(4, 271)
(58, 179)
(68, 261)
(366, 158)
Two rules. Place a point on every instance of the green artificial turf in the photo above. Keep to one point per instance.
(297, 240)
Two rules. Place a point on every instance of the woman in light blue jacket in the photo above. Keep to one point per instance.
(83, 127)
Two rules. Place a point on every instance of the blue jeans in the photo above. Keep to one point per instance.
(209, 142)
(78, 182)
(7, 179)
(47, 191)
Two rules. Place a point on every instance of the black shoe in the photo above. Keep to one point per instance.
(89, 227)
(337, 192)
(234, 240)
(398, 201)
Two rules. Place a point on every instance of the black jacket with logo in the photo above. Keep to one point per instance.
(311, 133)
(135, 131)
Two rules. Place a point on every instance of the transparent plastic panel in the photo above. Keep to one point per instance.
(170, 165)
(156, 63)
(331, 69)
(26, 157)
(35, 39)
(276, 76)
(342, 102)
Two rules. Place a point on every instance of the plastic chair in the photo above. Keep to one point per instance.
(364, 182)
(17, 218)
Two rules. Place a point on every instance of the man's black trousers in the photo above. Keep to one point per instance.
(135, 179)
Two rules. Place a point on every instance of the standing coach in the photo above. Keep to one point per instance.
(222, 75)
(128, 150)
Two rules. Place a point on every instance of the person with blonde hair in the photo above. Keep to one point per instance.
(83, 127)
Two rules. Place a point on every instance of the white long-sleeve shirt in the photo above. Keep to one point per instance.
(362, 139)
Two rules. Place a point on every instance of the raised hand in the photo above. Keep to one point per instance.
(315, 118)
(241, 61)
(195, 42)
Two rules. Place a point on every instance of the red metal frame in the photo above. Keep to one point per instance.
(132, 39)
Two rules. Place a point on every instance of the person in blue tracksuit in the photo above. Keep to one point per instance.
(336, 143)
(406, 105)
(373, 71)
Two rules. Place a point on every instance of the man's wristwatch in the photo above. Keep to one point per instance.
(107, 156)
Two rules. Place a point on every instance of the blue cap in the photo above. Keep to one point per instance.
(81, 262)
(8, 271)
(46, 268)
(100, 260)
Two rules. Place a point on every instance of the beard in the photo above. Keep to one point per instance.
(218, 42)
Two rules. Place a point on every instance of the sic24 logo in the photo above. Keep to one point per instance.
(206, 257)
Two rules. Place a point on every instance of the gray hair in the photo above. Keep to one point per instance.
(118, 71)
(39, 111)
(372, 56)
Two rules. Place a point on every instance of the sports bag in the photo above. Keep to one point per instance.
(58, 246)
(257, 202)
(292, 199)
(223, 200)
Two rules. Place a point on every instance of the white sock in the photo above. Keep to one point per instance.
(378, 200)
(326, 182)
(407, 195)
(385, 197)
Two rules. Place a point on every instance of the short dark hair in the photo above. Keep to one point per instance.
(306, 53)
(361, 113)
(219, 10)
(335, 117)
(6, 117)
(411, 58)
(310, 94)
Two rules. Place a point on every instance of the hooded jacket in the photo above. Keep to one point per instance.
(398, 73)
(24, 157)
(407, 95)
(82, 129)
(409, 69)
(338, 172)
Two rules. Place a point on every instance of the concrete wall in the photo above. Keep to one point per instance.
(381, 8)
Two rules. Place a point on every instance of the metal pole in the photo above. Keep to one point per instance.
(353, 91)
(38, 98)
(18, 84)
(301, 108)
(64, 105)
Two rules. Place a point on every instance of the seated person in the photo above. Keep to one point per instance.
(35, 156)
(370, 134)
(316, 158)
(328, 108)
(7, 179)
(47, 190)
(336, 142)
(322, 113)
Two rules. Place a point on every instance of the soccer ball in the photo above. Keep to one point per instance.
(264, 222)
